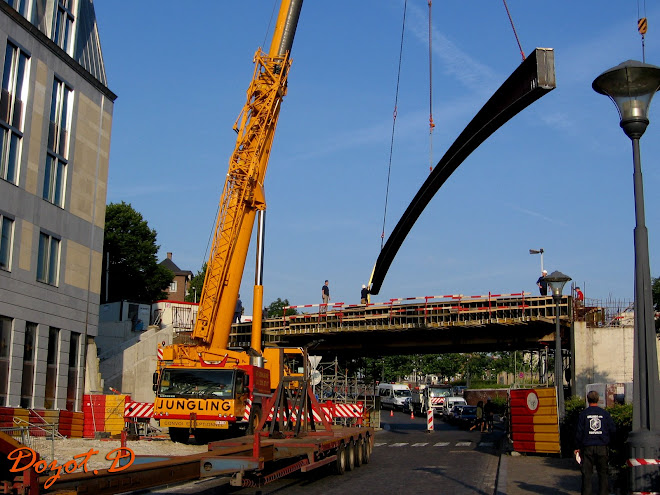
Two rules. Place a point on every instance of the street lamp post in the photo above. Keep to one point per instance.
(631, 86)
(538, 251)
(556, 281)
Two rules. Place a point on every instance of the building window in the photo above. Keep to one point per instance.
(72, 384)
(12, 105)
(22, 6)
(49, 256)
(27, 381)
(58, 143)
(5, 339)
(6, 235)
(173, 286)
(63, 32)
(51, 366)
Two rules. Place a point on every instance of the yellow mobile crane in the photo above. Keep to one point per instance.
(205, 387)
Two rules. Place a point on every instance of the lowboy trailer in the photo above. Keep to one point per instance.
(288, 439)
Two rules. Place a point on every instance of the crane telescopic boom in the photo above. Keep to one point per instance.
(243, 194)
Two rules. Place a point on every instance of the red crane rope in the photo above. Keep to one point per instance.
(514, 30)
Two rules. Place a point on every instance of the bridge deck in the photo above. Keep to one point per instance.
(465, 322)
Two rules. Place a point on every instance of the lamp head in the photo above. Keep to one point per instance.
(556, 281)
(631, 86)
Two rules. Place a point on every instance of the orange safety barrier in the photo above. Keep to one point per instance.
(94, 414)
(534, 420)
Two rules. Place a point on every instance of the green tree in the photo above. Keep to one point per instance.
(133, 273)
(276, 308)
(196, 284)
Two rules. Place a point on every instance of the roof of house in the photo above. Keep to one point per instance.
(169, 264)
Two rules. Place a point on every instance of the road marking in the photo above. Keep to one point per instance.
(438, 444)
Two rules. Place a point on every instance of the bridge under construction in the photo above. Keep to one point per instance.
(431, 324)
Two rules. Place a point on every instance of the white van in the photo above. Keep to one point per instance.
(451, 402)
(394, 396)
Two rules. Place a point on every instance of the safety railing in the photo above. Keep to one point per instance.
(40, 437)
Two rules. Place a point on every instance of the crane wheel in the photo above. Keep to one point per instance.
(339, 467)
(350, 456)
(179, 435)
(255, 418)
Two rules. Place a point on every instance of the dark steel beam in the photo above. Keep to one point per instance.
(532, 79)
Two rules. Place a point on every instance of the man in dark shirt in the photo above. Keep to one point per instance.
(325, 295)
(594, 431)
(543, 285)
(238, 310)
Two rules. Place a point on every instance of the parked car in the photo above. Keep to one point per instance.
(454, 413)
(450, 402)
(467, 416)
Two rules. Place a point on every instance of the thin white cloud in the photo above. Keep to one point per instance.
(538, 215)
(470, 72)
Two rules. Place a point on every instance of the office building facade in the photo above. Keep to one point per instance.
(55, 120)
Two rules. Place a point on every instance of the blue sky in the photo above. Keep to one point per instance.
(558, 176)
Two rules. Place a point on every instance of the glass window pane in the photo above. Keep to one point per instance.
(6, 74)
(59, 184)
(30, 333)
(5, 242)
(48, 178)
(53, 101)
(53, 261)
(5, 336)
(53, 341)
(42, 258)
(4, 136)
(73, 350)
(13, 157)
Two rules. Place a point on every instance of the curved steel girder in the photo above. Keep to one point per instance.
(532, 79)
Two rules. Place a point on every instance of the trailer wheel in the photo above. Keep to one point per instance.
(339, 467)
(350, 455)
(366, 450)
(359, 452)
(179, 435)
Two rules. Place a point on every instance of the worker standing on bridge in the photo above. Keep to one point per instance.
(364, 294)
(238, 310)
(543, 285)
(325, 295)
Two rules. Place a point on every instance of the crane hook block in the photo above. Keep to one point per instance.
(642, 25)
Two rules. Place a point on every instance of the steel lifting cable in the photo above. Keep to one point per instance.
(431, 124)
(396, 101)
(642, 25)
(514, 30)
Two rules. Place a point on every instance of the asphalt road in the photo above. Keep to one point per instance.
(406, 459)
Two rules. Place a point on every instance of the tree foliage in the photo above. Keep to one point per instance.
(134, 273)
(276, 308)
(449, 366)
(195, 285)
